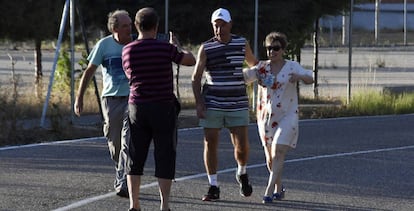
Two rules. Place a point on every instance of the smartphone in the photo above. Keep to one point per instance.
(163, 37)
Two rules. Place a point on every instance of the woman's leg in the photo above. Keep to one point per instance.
(281, 151)
(268, 153)
(278, 153)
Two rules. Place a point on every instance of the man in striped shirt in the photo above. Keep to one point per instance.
(147, 63)
(222, 101)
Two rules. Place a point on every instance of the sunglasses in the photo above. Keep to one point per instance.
(274, 48)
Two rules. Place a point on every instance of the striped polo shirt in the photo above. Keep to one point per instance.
(224, 88)
(148, 66)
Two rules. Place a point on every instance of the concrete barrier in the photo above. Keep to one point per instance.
(398, 89)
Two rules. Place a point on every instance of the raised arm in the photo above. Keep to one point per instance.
(188, 59)
(251, 60)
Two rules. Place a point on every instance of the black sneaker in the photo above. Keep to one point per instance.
(245, 188)
(213, 194)
(123, 193)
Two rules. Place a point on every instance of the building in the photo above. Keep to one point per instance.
(390, 17)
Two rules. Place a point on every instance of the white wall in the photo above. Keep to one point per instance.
(391, 16)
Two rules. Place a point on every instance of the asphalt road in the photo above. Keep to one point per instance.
(357, 163)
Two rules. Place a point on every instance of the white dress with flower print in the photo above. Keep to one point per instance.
(277, 104)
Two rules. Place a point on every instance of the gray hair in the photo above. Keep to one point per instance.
(113, 19)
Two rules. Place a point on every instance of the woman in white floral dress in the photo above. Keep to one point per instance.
(277, 108)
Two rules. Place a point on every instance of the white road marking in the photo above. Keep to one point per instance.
(51, 143)
(153, 184)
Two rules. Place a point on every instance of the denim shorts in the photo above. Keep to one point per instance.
(220, 119)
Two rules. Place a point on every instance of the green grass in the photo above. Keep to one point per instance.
(366, 103)
(374, 103)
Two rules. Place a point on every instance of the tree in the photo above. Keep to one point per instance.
(298, 19)
(34, 20)
(39, 20)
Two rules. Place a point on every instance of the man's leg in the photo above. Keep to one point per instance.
(239, 138)
(113, 112)
(165, 148)
(134, 183)
(165, 190)
(211, 138)
(138, 148)
(118, 135)
(122, 188)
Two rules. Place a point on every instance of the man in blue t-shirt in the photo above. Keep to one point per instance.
(107, 54)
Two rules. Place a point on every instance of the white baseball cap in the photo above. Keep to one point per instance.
(221, 14)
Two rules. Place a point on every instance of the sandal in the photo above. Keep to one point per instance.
(281, 195)
(267, 199)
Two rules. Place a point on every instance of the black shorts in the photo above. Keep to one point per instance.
(157, 122)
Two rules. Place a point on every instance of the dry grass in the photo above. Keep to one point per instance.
(366, 103)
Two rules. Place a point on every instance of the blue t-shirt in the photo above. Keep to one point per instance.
(108, 53)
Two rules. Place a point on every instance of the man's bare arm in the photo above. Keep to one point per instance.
(196, 80)
(86, 77)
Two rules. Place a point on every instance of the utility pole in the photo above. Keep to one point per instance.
(345, 29)
(348, 99)
(377, 27)
(72, 59)
(52, 74)
(68, 9)
(405, 22)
